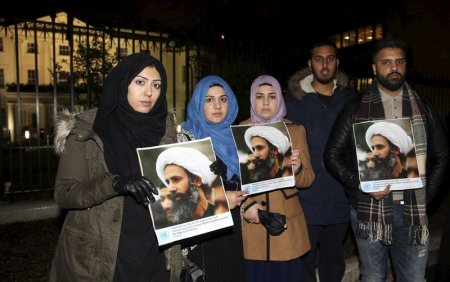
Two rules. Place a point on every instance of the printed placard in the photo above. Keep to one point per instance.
(191, 199)
(264, 152)
(386, 155)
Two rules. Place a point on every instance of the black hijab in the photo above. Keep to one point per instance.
(122, 129)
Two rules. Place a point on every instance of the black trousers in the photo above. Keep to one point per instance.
(327, 241)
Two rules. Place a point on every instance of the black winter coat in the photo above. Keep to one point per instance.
(340, 152)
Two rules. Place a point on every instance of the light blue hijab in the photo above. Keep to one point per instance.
(220, 133)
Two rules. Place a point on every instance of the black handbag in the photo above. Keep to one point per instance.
(274, 222)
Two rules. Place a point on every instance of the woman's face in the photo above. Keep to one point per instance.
(216, 104)
(144, 90)
(266, 103)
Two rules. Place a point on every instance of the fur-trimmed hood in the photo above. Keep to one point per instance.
(300, 81)
(67, 122)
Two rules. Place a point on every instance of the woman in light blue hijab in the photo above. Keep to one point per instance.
(211, 110)
(220, 132)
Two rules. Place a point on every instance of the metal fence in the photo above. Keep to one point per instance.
(435, 87)
(29, 172)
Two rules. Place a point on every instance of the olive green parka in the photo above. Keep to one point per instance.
(89, 238)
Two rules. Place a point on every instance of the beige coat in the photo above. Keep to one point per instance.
(294, 241)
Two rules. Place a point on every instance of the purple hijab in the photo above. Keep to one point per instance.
(281, 111)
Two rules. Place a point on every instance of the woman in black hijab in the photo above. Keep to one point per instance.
(108, 233)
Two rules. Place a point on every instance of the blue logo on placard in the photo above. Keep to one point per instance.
(164, 235)
(366, 186)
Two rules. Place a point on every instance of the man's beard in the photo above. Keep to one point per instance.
(321, 79)
(384, 167)
(392, 85)
(184, 207)
(262, 168)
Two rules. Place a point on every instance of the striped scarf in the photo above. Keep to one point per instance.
(375, 218)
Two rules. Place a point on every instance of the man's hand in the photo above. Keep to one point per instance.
(381, 194)
(141, 188)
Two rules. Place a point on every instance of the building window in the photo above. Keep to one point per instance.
(2, 78)
(64, 50)
(1, 44)
(365, 34)
(362, 84)
(121, 52)
(31, 47)
(337, 40)
(360, 36)
(349, 38)
(31, 77)
(378, 31)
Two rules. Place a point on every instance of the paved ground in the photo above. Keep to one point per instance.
(26, 248)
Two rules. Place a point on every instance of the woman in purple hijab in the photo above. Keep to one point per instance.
(271, 257)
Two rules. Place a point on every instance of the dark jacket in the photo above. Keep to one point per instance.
(325, 201)
(88, 243)
(341, 159)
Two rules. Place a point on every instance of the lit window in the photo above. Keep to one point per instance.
(337, 40)
(363, 83)
(31, 77)
(64, 50)
(122, 52)
(378, 31)
(2, 78)
(31, 47)
(365, 34)
(349, 38)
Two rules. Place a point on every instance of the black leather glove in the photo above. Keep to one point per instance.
(230, 185)
(140, 187)
(219, 168)
(274, 222)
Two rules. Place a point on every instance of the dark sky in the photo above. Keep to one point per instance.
(271, 27)
(204, 20)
